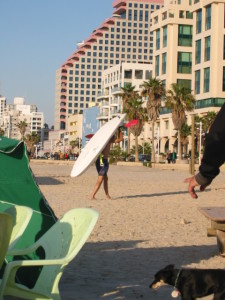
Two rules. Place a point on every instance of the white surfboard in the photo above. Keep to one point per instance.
(95, 146)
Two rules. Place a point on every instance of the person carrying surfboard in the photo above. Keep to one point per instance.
(102, 166)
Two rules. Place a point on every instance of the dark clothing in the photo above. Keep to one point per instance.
(214, 153)
(102, 166)
(174, 157)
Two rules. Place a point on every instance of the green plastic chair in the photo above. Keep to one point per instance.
(21, 216)
(61, 244)
(6, 226)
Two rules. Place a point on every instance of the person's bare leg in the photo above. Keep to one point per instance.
(106, 188)
(97, 186)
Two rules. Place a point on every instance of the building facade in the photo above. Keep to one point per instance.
(19, 112)
(189, 50)
(110, 101)
(124, 37)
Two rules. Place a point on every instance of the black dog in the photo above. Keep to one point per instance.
(192, 283)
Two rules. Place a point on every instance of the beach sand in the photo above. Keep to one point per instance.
(139, 231)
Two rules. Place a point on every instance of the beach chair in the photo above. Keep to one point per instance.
(61, 244)
(21, 216)
(6, 226)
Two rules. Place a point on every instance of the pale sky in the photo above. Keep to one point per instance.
(36, 38)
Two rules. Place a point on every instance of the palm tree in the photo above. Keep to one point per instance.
(128, 93)
(22, 128)
(135, 111)
(76, 143)
(207, 121)
(198, 120)
(179, 99)
(31, 140)
(184, 134)
(154, 90)
(2, 132)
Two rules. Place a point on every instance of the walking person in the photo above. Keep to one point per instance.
(174, 157)
(102, 166)
(169, 157)
(213, 157)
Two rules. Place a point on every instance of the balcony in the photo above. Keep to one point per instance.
(211, 102)
(165, 110)
(104, 94)
(103, 115)
(105, 103)
(118, 3)
(115, 102)
(120, 10)
(116, 90)
(115, 111)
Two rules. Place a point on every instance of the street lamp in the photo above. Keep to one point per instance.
(200, 143)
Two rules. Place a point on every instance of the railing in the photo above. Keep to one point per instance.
(117, 89)
(211, 102)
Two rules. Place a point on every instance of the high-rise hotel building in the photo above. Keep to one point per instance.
(124, 37)
(208, 61)
(190, 49)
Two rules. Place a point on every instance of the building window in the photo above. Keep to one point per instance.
(138, 74)
(165, 36)
(207, 48)
(198, 52)
(199, 21)
(166, 124)
(184, 83)
(197, 82)
(223, 79)
(184, 62)
(181, 14)
(189, 15)
(206, 80)
(157, 39)
(208, 17)
(164, 63)
(157, 65)
(185, 35)
(128, 74)
(224, 47)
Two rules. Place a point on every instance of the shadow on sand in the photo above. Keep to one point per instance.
(122, 270)
(48, 181)
(155, 195)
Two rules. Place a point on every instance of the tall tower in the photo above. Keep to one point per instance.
(124, 37)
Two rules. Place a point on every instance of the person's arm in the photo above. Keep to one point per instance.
(213, 157)
(120, 138)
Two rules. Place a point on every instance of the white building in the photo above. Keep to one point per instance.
(110, 100)
(18, 112)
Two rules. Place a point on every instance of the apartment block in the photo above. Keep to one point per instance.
(208, 76)
(173, 30)
(18, 112)
(110, 101)
(189, 49)
(124, 37)
(75, 127)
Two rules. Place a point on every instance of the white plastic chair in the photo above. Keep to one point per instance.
(21, 216)
(61, 244)
(6, 226)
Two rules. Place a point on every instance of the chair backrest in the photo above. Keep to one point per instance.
(63, 241)
(21, 216)
(6, 226)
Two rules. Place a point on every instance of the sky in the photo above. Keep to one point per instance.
(36, 38)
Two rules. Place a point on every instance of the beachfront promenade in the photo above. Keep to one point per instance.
(151, 221)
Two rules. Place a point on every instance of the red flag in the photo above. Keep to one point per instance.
(131, 123)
